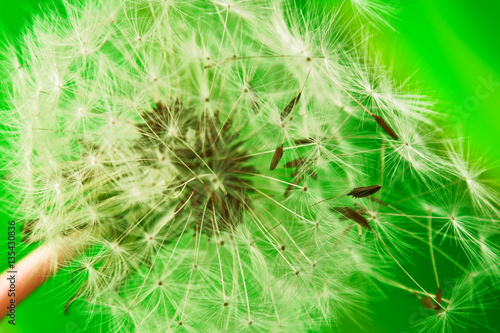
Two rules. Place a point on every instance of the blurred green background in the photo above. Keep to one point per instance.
(452, 50)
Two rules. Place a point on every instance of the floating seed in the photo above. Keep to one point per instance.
(356, 217)
(361, 192)
(339, 210)
(290, 107)
(278, 154)
(381, 122)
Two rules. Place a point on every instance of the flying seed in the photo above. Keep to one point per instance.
(290, 106)
(387, 129)
(356, 217)
(278, 154)
(361, 192)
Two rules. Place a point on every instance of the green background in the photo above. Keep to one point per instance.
(449, 47)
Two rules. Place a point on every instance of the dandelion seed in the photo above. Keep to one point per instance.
(295, 163)
(438, 301)
(428, 303)
(354, 216)
(387, 129)
(361, 192)
(289, 190)
(278, 154)
(288, 109)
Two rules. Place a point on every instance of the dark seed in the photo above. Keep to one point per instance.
(294, 163)
(378, 201)
(304, 141)
(288, 191)
(290, 107)
(313, 174)
(339, 210)
(428, 303)
(381, 122)
(356, 217)
(361, 192)
(276, 157)
(255, 106)
(438, 300)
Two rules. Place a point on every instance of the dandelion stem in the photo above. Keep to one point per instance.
(36, 268)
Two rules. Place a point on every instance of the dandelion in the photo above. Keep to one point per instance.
(201, 166)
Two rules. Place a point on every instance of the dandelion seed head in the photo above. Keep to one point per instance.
(216, 161)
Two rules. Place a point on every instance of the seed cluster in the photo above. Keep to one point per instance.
(212, 158)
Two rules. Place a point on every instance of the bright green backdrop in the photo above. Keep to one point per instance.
(451, 47)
